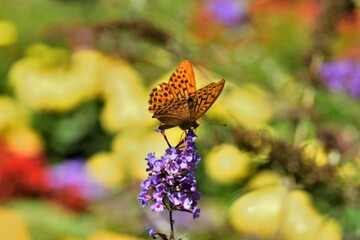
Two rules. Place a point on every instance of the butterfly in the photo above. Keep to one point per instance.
(178, 103)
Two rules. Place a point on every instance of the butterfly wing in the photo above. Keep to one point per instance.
(173, 113)
(182, 81)
(180, 85)
(204, 98)
(159, 96)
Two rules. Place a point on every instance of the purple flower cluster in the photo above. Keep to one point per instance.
(228, 12)
(342, 76)
(171, 182)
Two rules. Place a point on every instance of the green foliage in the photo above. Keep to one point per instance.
(74, 134)
(58, 222)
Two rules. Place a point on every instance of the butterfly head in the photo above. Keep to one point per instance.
(184, 126)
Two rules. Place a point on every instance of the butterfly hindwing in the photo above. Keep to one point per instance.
(173, 113)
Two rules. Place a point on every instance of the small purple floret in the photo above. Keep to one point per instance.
(151, 231)
(196, 212)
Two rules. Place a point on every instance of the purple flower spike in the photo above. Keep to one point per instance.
(171, 183)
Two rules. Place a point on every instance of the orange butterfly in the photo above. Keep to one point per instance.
(178, 103)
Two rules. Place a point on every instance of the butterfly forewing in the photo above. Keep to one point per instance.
(159, 96)
(180, 85)
(182, 81)
(205, 98)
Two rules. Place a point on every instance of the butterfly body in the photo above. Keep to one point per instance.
(171, 118)
(178, 103)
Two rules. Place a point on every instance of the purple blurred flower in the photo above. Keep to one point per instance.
(171, 183)
(228, 12)
(72, 174)
(196, 212)
(150, 231)
(342, 76)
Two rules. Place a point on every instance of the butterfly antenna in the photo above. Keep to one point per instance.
(216, 124)
(219, 124)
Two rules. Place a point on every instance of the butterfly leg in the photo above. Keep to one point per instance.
(180, 144)
(164, 135)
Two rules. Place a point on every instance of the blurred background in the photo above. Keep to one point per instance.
(74, 127)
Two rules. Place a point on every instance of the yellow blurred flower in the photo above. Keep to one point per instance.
(264, 179)
(226, 164)
(125, 97)
(106, 169)
(258, 212)
(329, 229)
(247, 105)
(276, 211)
(8, 33)
(313, 150)
(133, 146)
(105, 235)
(303, 221)
(47, 78)
(350, 171)
(24, 141)
(12, 226)
(12, 114)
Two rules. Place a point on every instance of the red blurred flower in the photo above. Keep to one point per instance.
(348, 29)
(350, 23)
(21, 176)
(70, 198)
(25, 175)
